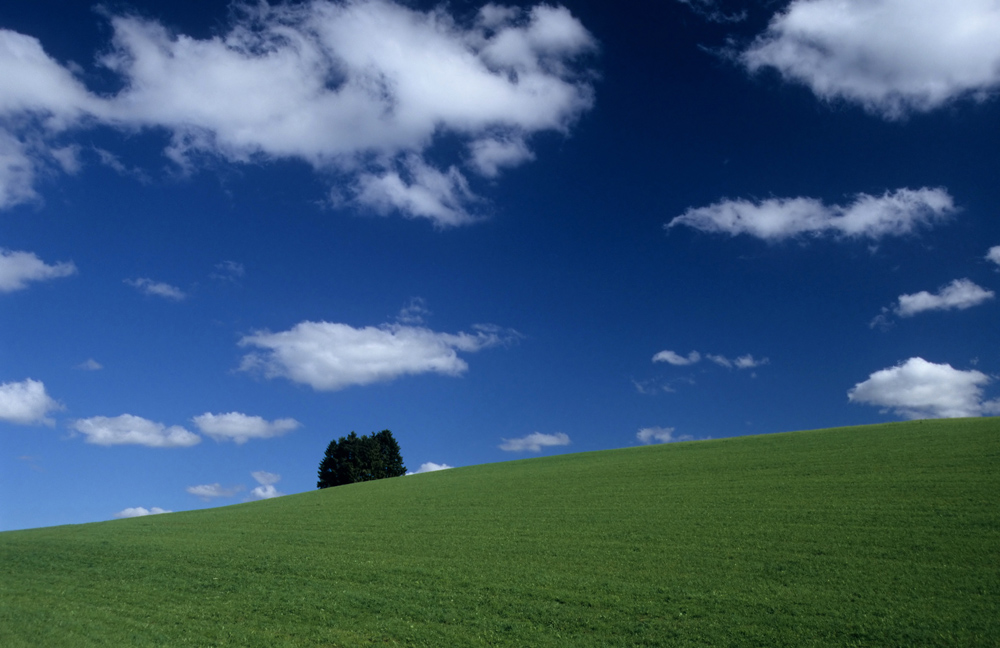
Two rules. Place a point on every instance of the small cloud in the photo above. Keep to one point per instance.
(211, 491)
(994, 254)
(230, 271)
(133, 430)
(17, 269)
(660, 435)
(266, 478)
(534, 442)
(156, 288)
(958, 295)
(240, 428)
(140, 511)
(26, 403)
(677, 359)
(90, 365)
(709, 10)
(429, 466)
(749, 362)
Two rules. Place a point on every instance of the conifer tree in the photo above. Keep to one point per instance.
(355, 459)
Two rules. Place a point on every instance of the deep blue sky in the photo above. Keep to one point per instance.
(201, 288)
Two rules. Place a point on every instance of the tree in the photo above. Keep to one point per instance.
(355, 459)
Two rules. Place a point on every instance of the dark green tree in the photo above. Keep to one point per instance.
(355, 459)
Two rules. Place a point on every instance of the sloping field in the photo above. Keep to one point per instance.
(871, 536)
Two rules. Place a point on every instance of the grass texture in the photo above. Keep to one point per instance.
(884, 535)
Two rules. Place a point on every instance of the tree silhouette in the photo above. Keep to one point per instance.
(352, 459)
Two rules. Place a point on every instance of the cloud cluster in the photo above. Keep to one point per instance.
(26, 403)
(892, 57)
(742, 362)
(534, 442)
(330, 356)
(660, 435)
(360, 88)
(892, 214)
(17, 269)
(921, 389)
(240, 428)
(267, 480)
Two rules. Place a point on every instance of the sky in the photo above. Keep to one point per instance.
(231, 233)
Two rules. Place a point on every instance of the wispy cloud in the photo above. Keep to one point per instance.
(994, 254)
(534, 442)
(895, 213)
(958, 295)
(156, 288)
(893, 57)
(211, 491)
(742, 362)
(660, 435)
(90, 365)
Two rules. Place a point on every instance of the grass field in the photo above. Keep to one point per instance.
(883, 535)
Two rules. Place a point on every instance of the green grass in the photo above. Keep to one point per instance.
(882, 535)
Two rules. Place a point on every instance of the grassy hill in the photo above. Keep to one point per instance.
(883, 535)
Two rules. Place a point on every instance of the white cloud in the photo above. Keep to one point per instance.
(921, 389)
(660, 435)
(229, 271)
(994, 254)
(267, 480)
(330, 356)
(240, 428)
(19, 268)
(133, 430)
(891, 56)
(362, 88)
(677, 359)
(26, 403)
(959, 294)
(210, 491)
(140, 511)
(429, 466)
(534, 442)
(90, 365)
(156, 288)
(414, 312)
(893, 214)
(749, 362)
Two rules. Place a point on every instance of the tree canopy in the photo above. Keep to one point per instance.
(352, 459)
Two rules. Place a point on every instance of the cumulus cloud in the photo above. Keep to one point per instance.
(157, 289)
(267, 480)
(17, 269)
(959, 295)
(677, 359)
(358, 88)
(140, 511)
(328, 356)
(534, 442)
(892, 57)
(660, 435)
(26, 403)
(429, 466)
(892, 214)
(211, 491)
(240, 428)
(921, 389)
(133, 430)
(994, 254)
